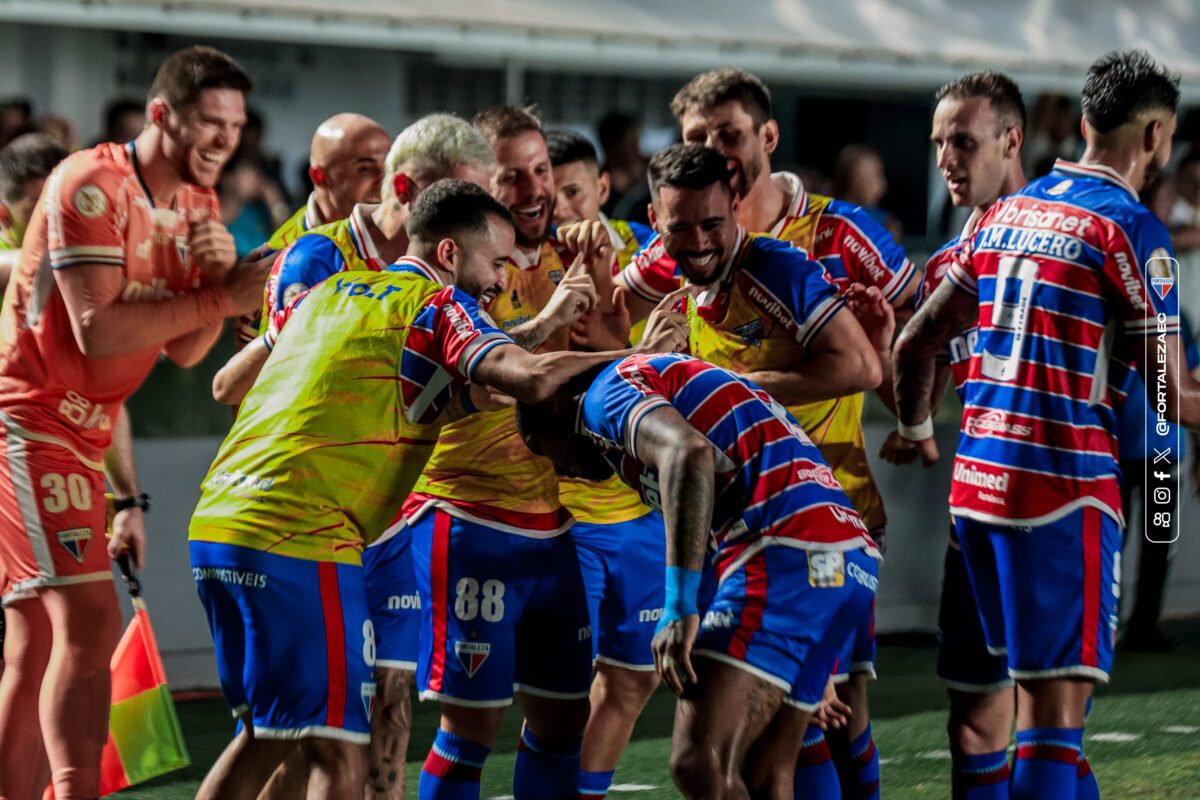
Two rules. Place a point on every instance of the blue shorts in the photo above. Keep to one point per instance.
(499, 613)
(782, 613)
(622, 566)
(963, 662)
(1047, 595)
(294, 644)
(857, 653)
(392, 599)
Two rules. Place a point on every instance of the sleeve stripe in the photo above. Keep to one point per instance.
(636, 415)
(475, 351)
(819, 318)
(960, 278)
(900, 280)
(85, 260)
(637, 284)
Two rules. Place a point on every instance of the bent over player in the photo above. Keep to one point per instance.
(330, 439)
(124, 260)
(1035, 492)
(795, 564)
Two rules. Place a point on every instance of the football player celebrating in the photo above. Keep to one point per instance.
(123, 261)
(1044, 273)
(331, 437)
(797, 568)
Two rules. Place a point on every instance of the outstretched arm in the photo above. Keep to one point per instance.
(233, 381)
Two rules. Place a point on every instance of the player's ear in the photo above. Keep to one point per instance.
(770, 134)
(605, 184)
(650, 215)
(156, 111)
(1013, 137)
(317, 175)
(400, 185)
(448, 254)
(1152, 135)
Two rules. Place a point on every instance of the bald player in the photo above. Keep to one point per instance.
(345, 163)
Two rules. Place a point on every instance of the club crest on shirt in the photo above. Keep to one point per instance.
(76, 541)
(1160, 265)
(751, 333)
(555, 275)
(472, 655)
(89, 200)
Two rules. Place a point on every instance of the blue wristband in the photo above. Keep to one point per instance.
(682, 587)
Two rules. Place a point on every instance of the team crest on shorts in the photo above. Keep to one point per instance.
(366, 690)
(76, 541)
(826, 569)
(472, 655)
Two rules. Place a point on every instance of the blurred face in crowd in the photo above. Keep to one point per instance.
(580, 192)
(729, 129)
(524, 183)
(201, 137)
(868, 183)
(354, 168)
(22, 209)
(480, 262)
(698, 228)
(973, 148)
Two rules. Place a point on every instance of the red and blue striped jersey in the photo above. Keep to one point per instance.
(1056, 267)
(772, 485)
(958, 352)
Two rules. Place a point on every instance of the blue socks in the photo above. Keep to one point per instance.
(1047, 766)
(863, 767)
(546, 769)
(981, 777)
(594, 785)
(1086, 788)
(816, 775)
(452, 769)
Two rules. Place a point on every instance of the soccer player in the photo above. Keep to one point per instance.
(497, 578)
(331, 437)
(797, 568)
(730, 111)
(619, 539)
(1035, 494)
(123, 261)
(345, 164)
(978, 128)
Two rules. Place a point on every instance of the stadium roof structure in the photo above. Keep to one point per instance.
(1045, 43)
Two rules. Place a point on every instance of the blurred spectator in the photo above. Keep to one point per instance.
(16, 118)
(251, 148)
(620, 138)
(60, 129)
(124, 119)
(1053, 134)
(25, 162)
(252, 203)
(1183, 213)
(859, 178)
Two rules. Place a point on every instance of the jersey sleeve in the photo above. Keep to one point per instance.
(652, 273)
(864, 250)
(81, 208)
(308, 261)
(1140, 270)
(961, 271)
(641, 233)
(444, 344)
(617, 401)
(794, 290)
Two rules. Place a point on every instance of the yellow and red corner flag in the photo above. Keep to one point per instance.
(144, 736)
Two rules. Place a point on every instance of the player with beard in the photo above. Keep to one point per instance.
(497, 577)
(124, 260)
(345, 164)
(1046, 277)
(978, 128)
(730, 111)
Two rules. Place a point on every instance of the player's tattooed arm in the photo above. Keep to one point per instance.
(683, 459)
(574, 296)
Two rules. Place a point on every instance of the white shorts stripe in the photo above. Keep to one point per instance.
(22, 484)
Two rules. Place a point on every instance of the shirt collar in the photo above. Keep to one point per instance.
(367, 249)
(617, 242)
(790, 184)
(311, 210)
(419, 266)
(714, 289)
(1096, 171)
(527, 260)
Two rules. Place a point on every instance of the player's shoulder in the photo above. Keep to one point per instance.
(775, 255)
(89, 178)
(642, 234)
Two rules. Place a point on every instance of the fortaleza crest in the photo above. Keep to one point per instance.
(76, 541)
(472, 655)
(366, 690)
(1162, 276)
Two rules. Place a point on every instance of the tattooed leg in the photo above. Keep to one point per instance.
(710, 744)
(390, 727)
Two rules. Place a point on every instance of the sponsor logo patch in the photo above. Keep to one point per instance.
(76, 541)
(751, 333)
(994, 422)
(90, 201)
(472, 655)
(826, 570)
(1060, 188)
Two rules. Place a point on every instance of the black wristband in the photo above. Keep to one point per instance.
(140, 500)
